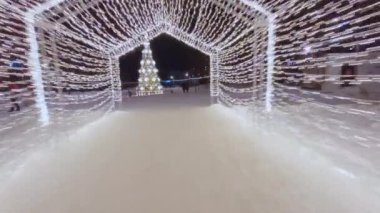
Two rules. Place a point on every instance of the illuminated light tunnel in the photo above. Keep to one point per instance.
(307, 68)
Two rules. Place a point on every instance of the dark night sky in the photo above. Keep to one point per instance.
(172, 58)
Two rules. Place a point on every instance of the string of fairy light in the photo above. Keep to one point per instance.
(253, 45)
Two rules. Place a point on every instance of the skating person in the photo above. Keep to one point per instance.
(15, 106)
(196, 84)
(183, 87)
(15, 68)
(187, 86)
(13, 91)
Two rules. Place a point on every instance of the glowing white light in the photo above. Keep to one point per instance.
(241, 43)
(307, 49)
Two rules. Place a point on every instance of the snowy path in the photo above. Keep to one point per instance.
(180, 159)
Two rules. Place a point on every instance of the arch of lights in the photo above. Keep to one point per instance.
(255, 46)
(38, 57)
(164, 28)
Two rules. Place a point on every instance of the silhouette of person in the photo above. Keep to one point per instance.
(13, 86)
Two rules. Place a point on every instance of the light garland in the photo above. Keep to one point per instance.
(250, 44)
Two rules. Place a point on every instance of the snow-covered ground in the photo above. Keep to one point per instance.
(179, 153)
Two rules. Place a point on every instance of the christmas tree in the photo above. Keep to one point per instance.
(149, 82)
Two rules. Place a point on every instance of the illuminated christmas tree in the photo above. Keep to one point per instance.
(149, 82)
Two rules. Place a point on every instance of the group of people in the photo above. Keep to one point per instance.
(190, 82)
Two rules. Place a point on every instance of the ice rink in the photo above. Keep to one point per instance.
(173, 154)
